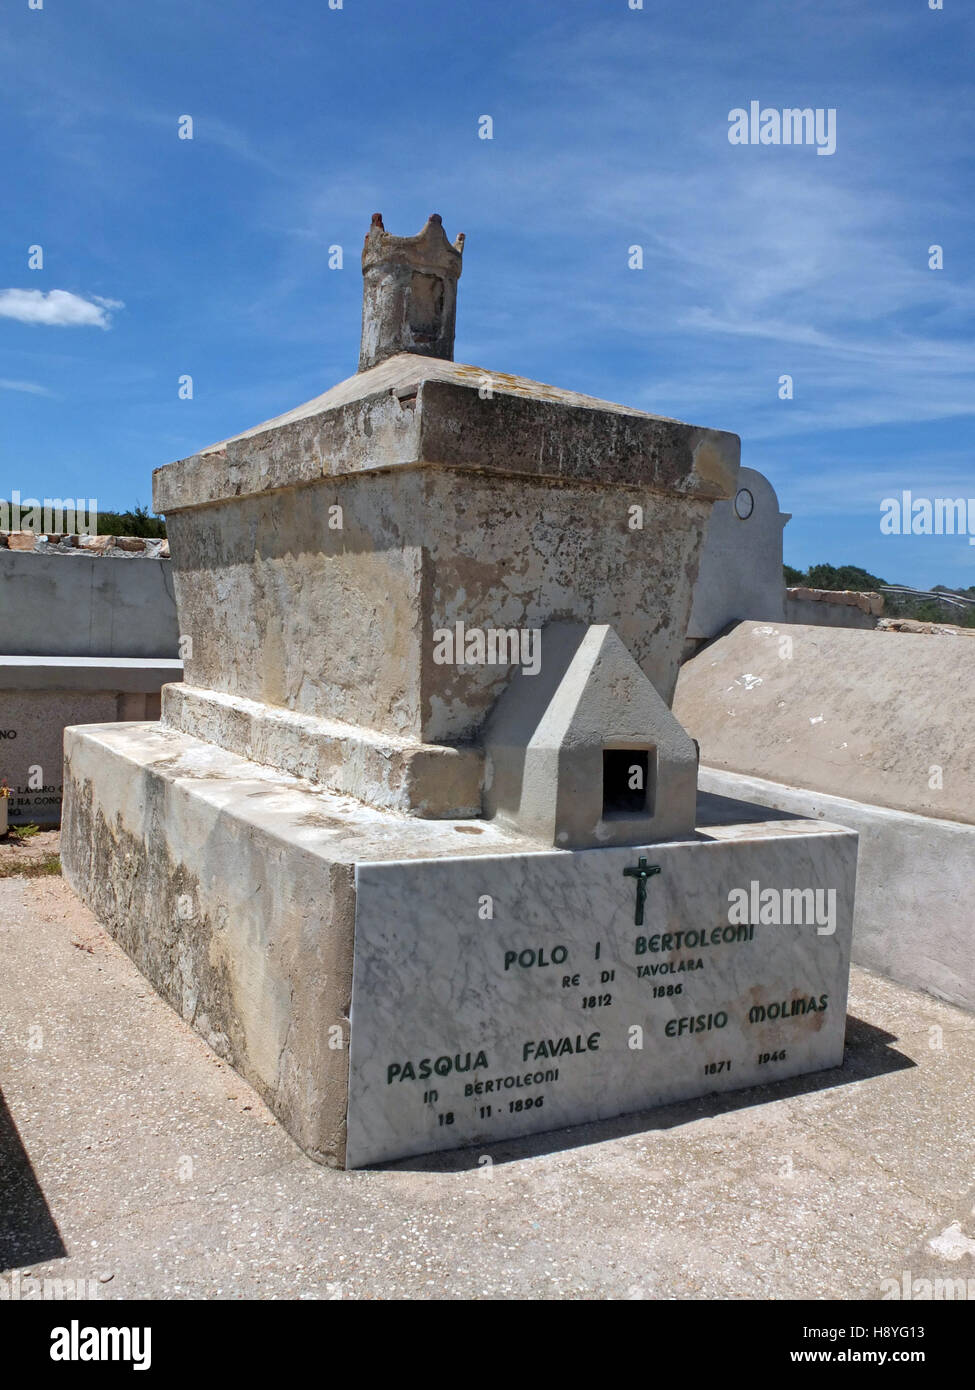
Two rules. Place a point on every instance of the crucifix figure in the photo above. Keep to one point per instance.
(641, 873)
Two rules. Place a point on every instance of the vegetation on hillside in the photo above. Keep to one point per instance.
(138, 522)
(927, 610)
(835, 577)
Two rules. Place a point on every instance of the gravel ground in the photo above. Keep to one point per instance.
(29, 855)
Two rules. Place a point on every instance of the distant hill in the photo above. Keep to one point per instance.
(835, 577)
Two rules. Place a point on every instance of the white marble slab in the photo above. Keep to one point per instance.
(468, 1028)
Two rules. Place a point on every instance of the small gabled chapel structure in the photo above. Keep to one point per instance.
(586, 753)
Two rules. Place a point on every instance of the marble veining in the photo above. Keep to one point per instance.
(510, 994)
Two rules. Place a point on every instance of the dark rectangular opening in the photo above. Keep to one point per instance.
(627, 776)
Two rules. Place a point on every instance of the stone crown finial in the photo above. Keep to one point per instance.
(409, 299)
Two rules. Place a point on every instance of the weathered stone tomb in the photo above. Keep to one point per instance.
(415, 844)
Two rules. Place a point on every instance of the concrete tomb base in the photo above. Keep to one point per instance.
(494, 988)
(41, 695)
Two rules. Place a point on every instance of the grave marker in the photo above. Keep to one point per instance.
(400, 883)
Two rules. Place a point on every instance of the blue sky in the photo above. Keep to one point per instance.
(210, 256)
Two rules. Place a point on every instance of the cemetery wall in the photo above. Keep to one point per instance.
(913, 916)
(879, 717)
(833, 607)
(67, 598)
(42, 696)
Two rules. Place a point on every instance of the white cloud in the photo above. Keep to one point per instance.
(31, 387)
(58, 308)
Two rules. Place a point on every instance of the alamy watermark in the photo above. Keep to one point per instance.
(927, 1290)
(793, 125)
(783, 907)
(25, 1288)
(51, 516)
(77, 1343)
(493, 646)
(908, 515)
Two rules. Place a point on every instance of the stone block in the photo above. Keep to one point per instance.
(394, 774)
(352, 531)
(342, 624)
(584, 752)
(559, 1010)
(269, 914)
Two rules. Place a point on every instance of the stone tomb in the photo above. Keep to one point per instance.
(87, 634)
(407, 883)
(741, 574)
(41, 695)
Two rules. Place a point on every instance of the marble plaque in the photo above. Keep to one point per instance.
(32, 724)
(506, 995)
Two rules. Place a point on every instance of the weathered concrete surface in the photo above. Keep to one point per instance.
(409, 292)
(396, 774)
(548, 733)
(77, 602)
(247, 935)
(876, 717)
(740, 573)
(130, 1153)
(231, 886)
(339, 624)
(914, 918)
(319, 558)
(412, 409)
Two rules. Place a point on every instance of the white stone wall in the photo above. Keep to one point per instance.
(86, 596)
(740, 574)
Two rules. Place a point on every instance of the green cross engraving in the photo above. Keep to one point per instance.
(641, 873)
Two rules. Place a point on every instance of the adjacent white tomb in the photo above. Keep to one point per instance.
(87, 634)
